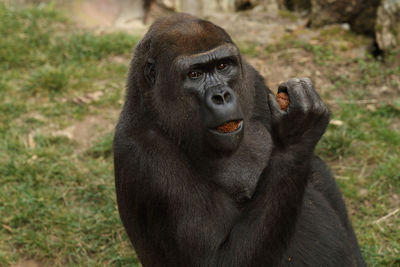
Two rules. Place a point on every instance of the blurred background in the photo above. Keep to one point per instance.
(63, 66)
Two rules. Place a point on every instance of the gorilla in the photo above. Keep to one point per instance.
(209, 171)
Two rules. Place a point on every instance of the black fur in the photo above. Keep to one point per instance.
(264, 200)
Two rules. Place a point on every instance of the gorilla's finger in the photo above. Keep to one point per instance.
(276, 112)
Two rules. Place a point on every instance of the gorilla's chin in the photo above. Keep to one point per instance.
(227, 141)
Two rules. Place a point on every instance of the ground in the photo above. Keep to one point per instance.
(61, 90)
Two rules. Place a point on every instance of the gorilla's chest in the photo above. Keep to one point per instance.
(239, 173)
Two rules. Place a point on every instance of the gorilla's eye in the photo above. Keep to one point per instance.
(221, 66)
(194, 74)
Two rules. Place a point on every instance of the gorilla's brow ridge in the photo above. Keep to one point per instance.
(219, 52)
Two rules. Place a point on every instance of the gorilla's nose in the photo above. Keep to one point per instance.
(220, 98)
(221, 106)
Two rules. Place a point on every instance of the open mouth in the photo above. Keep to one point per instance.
(230, 126)
(227, 136)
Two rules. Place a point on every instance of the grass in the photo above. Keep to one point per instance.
(57, 205)
(57, 198)
(48, 79)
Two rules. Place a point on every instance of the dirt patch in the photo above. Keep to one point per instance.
(386, 92)
(394, 200)
(278, 68)
(256, 27)
(395, 125)
(89, 129)
(83, 132)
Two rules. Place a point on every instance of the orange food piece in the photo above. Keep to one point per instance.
(229, 127)
(283, 100)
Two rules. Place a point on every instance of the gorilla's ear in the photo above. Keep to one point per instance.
(149, 72)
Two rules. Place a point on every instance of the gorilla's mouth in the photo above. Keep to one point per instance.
(229, 127)
(227, 136)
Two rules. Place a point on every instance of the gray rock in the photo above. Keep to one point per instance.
(387, 26)
(360, 14)
(298, 5)
(326, 12)
(260, 5)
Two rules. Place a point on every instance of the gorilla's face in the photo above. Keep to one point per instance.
(211, 77)
(199, 93)
(196, 79)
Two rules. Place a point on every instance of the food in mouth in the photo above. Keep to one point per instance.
(283, 100)
(229, 127)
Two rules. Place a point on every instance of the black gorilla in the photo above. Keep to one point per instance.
(190, 194)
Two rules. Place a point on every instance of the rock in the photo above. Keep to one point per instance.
(345, 26)
(260, 5)
(291, 27)
(326, 12)
(296, 5)
(364, 22)
(360, 14)
(387, 26)
(244, 4)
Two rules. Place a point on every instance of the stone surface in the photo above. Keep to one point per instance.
(326, 12)
(260, 5)
(360, 14)
(388, 25)
(296, 5)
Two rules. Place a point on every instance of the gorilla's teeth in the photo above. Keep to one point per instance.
(229, 127)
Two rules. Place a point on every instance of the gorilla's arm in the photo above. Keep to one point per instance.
(273, 210)
(202, 222)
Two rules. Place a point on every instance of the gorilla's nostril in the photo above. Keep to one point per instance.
(217, 99)
(227, 97)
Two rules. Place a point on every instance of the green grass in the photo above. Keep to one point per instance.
(365, 150)
(57, 205)
(57, 198)
(48, 79)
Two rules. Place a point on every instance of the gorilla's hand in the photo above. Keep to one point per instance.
(306, 119)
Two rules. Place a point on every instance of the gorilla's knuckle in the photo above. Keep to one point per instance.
(306, 82)
(326, 112)
(322, 111)
(293, 83)
(294, 80)
(320, 107)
